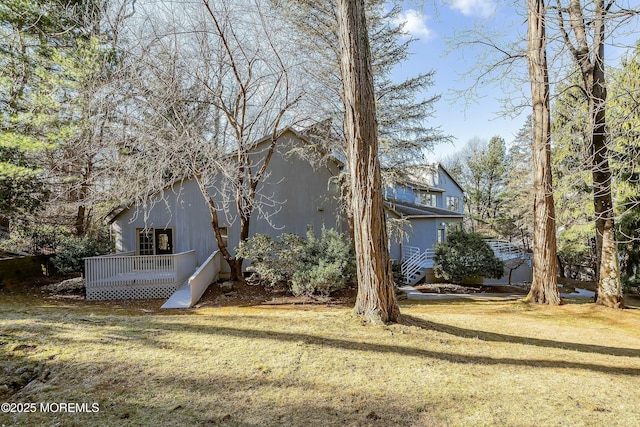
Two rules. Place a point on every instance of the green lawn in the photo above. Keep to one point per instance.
(452, 363)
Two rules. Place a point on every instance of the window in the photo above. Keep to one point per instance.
(441, 235)
(426, 199)
(453, 203)
(154, 241)
(224, 233)
(145, 241)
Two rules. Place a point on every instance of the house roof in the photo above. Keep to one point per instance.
(412, 181)
(411, 210)
(114, 213)
(450, 176)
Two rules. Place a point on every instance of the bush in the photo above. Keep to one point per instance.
(35, 240)
(465, 256)
(305, 267)
(71, 252)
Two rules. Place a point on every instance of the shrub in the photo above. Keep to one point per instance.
(274, 261)
(71, 251)
(35, 240)
(464, 256)
(306, 267)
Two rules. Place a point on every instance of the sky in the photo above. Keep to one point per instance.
(436, 25)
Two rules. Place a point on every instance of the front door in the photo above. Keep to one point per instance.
(164, 241)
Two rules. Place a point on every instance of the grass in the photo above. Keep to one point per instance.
(451, 364)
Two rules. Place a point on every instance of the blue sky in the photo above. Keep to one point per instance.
(433, 24)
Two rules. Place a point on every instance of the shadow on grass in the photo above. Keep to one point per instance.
(165, 397)
(403, 350)
(513, 339)
(150, 332)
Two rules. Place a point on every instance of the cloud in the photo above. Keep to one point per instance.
(415, 24)
(483, 8)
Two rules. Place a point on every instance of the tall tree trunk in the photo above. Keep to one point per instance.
(235, 264)
(544, 288)
(592, 70)
(609, 286)
(376, 301)
(81, 221)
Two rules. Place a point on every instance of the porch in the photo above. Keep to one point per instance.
(126, 276)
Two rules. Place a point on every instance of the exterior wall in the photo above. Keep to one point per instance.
(181, 208)
(444, 182)
(296, 195)
(424, 231)
(523, 274)
(450, 189)
(401, 193)
(423, 234)
(304, 195)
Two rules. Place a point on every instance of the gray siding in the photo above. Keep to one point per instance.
(295, 194)
(444, 182)
(181, 208)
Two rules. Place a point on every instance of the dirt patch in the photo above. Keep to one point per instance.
(71, 291)
(225, 294)
(73, 286)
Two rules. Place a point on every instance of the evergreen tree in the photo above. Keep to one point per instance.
(402, 109)
(624, 117)
(516, 221)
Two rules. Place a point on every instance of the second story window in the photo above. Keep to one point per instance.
(453, 203)
(426, 199)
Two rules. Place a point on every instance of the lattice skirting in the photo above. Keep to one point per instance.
(131, 292)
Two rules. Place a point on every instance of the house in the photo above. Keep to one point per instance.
(426, 202)
(165, 245)
(166, 241)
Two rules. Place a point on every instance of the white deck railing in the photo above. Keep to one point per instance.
(106, 274)
(505, 250)
(415, 262)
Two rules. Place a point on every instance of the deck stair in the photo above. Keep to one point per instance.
(415, 262)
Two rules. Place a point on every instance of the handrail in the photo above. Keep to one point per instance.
(204, 276)
(414, 260)
(505, 249)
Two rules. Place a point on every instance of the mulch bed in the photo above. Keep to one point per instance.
(71, 291)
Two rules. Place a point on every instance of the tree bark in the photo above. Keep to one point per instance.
(609, 286)
(235, 264)
(544, 288)
(376, 301)
(609, 291)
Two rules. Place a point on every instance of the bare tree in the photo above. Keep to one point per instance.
(589, 58)
(544, 288)
(212, 81)
(376, 302)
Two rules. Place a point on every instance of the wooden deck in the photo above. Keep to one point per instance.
(137, 277)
